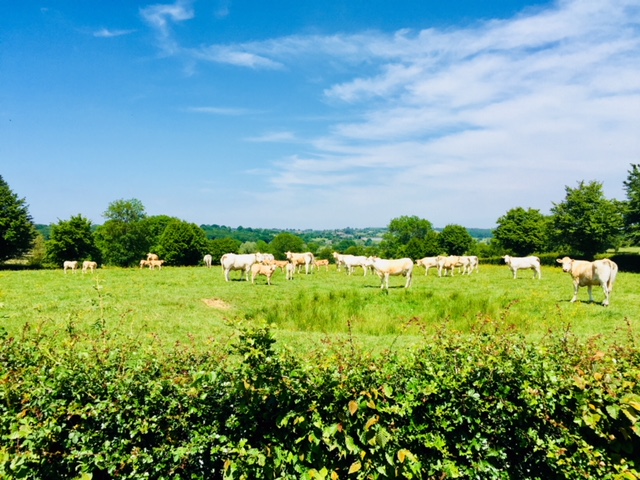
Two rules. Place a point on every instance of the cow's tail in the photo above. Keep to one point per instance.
(614, 274)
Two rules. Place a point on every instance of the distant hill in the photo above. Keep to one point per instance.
(247, 234)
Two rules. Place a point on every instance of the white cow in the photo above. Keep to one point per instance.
(352, 261)
(299, 259)
(152, 256)
(72, 265)
(267, 257)
(339, 259)
(587, 274)
(290, 270)
(427, 263)
(469, 264)
(516, 263)
(88, 265)
(386, 268)
(448, 263)
(234, 261)
(261, 269)
(207, 259)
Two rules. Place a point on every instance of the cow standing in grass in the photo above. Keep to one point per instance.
(517, 263)
(587, 274)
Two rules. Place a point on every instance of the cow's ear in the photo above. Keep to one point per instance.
(558, 260)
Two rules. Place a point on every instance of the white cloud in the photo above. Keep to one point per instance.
(459, 125)
(106, 33)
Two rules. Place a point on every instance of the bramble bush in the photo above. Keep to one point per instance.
(486, 405)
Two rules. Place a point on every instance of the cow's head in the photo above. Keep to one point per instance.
(566, 263)
(506, 258)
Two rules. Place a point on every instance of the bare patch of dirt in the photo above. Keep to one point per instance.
(216, 303)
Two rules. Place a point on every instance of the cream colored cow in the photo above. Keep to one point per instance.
(427, 263)
(517, 263)
(155, 263)
(587, 274)
(88, 265)
(70, 265)
(322, 263)
(260, 269)
(299, 259)
(386, 268)
(144, 263)
(152, 256)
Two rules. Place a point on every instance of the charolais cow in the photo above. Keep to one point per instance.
(155, 263)
(70, 265)
(89, 265)
(261, 269)
(207, 259)
(427, 263)
(152, 256)
(517, 263)
(299, 259)
(386, 268)
(235, 261)
(352, 261)
(448, 263)
(587, 274)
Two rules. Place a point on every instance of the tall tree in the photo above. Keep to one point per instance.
(284, 242)
(586, 222)
(409, 236)
(455, 240)
(182, 243)
(219, 246)
(522, 232)
(124, 238)
(72, 240)
(17, 231)
(632, 212)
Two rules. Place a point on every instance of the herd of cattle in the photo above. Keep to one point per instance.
(583, 273)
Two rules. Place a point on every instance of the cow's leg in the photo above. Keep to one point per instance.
(589, 288)
(576, 286)
(606, 294)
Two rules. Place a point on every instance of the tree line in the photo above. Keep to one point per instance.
(584, 224)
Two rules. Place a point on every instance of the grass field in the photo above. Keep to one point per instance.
(195, 305)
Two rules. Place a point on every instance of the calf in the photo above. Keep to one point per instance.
(587, 274)
(322, 263)
(155, 263)
(516, 263)
(260, 269)
(144, 263)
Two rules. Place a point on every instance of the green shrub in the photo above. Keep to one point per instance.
(487, 405)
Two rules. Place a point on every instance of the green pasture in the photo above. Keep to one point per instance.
(195, 305)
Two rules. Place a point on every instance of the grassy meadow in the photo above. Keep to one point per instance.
(196, 306)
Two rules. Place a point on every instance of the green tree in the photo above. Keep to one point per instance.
(155, 226)
(522, 232)
(124, 238)
(285, 242)
(632, 211)
(586, 222)
(17, 231)
(219, 246)
(72, 239)
(455, 240)
(408, 236)
(182, 243)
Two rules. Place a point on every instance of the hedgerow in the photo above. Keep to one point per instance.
(488, 405)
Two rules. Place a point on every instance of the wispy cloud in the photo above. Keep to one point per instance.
(504, 112)
(162, 16)
(274, 137)
(106, 33)
(224, 111)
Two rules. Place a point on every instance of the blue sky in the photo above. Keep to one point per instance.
(294, 114)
